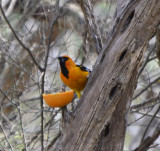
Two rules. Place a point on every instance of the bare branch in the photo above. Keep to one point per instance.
(20, 118)
(146, 104)
(158, 109)
(143, 115)
(54, 140)
(149, 85)
(11, 7)
(93, 31)
(148, 141)
(54, 19)
(6, 137)
(146, 61)
(29, 9)
(20, 42)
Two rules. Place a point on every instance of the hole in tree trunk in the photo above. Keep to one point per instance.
(113, 91)
(122, 55)
(106, 130)
(128, 20)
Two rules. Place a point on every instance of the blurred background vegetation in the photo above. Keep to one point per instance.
(57, 28)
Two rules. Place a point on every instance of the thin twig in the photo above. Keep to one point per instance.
(150, 84)
(146, 61)
(149, 124)
(39, 132)
(92, 29)
(42, 116)
(19, 112)
(20, 42)
(56, 16)
(140, 117)
(148, 114)
(50, 124)
(6, 137)
(148, 141)
(146, 104)
(54, 19)
(20, 117)
(54, 140)
(14, 104)
(18, 65)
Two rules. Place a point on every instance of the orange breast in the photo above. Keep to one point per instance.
(77, 79)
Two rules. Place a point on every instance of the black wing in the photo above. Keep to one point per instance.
(84, 68)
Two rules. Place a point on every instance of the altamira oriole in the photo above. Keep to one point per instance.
(74, 76)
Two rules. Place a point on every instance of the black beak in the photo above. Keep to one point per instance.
(59, 58)
(62, 59)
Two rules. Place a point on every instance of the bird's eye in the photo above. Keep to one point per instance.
(62, 59)
(65, 59)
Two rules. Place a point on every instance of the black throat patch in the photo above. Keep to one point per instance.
(64, 70)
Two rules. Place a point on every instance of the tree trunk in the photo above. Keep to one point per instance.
(100, 121)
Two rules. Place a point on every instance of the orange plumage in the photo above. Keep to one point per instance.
(74, 76)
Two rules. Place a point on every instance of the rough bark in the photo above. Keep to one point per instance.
(158, 43)
(121, 4)
(110, 88)
(92, 29)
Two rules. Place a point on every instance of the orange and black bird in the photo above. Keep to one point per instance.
(74, 76)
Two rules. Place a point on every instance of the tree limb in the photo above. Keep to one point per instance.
(20, 42)
(92, 29)
(148, 141)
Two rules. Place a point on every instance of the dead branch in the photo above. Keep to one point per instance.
(148, 141)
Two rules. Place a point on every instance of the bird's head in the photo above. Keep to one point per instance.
(65, 60)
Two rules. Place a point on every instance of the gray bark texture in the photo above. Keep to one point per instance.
(101, 117)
